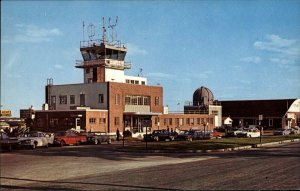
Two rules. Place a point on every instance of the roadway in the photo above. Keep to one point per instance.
(98, 167)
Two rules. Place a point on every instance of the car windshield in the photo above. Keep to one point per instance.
(61, 133)
(33, 134)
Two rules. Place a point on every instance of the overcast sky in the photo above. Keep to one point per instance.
(240, 50)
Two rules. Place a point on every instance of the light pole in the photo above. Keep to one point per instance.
(260, 118)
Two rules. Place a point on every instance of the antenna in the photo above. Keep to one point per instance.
(112, 26)
(140, 74)
(83, 30)
(103, 31)
(91, 31)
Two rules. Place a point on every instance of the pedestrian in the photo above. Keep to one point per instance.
(118, 135)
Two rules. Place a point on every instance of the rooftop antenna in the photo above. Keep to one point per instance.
(112, 26)
(140, 74)
(83, 30)
(103, 31)
(91, 31)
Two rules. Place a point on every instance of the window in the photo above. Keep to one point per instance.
(198, 121)
(40, 122)
(132, 81)
(100, 98)
(117, 99)
(270, 122)
(188, 121)
(136, 82)
(156, 101)
(140, 100)
(147, 100)
(63, 100)
(170, 121)
(165, 121)
(53, 122)
(137, 100)
(156, 121)
(192, 121)
(92, 120)
(177, 121)
(72, 99)
(117, 121)
(102, 120)
(87, 71)
(127, 81)
(127, 100)
(143, 82)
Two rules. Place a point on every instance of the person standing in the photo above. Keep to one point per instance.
(118, 135)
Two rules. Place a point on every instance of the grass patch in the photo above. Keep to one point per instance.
(212, 144)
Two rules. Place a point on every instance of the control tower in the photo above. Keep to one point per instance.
(103, 61)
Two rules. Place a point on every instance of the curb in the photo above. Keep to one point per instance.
(209, 151)
(274, 143)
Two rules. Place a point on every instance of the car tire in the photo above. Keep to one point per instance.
(190, 139)
(156, 138)
(172, 138)
(9, 149)
(96, 141)
(62, 143)
(77, 143)
(33, 146)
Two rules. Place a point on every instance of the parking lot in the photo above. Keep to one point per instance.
(99, 167)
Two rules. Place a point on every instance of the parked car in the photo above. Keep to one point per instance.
(100, 137)
(282, 131)
(194, 135)
(217, 134)
(160, 135)
(69, 138)
(34, 139)
(249, 133)
(295, 130)
(185, 136)
(7, 143)
(234, 132)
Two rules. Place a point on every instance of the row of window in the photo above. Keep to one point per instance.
(93, 120)
(187, 121)
(129, 99)
(63, 99)
(137, 100)
(135, 82)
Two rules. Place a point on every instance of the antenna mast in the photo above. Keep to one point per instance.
(112, 26)
(103, 31)
(83, 30)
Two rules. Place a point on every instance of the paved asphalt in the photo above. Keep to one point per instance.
(97, 167)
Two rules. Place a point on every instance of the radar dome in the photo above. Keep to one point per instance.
(202, 97)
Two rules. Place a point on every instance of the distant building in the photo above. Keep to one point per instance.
(5, 113)
(278, 113)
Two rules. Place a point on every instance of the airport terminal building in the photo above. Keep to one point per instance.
(108, 99)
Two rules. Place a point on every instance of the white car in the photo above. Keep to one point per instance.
(34, 139)
(249, 133)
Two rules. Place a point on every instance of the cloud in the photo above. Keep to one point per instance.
(29, 33)
(13, 60)
(251, 59)
(276, 44)
(58, 66)
(136, 50)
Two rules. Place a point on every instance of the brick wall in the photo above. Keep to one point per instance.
(121, 90)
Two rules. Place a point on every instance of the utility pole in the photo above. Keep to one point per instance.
(260, 118)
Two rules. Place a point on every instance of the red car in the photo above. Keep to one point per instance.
(69, 138)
